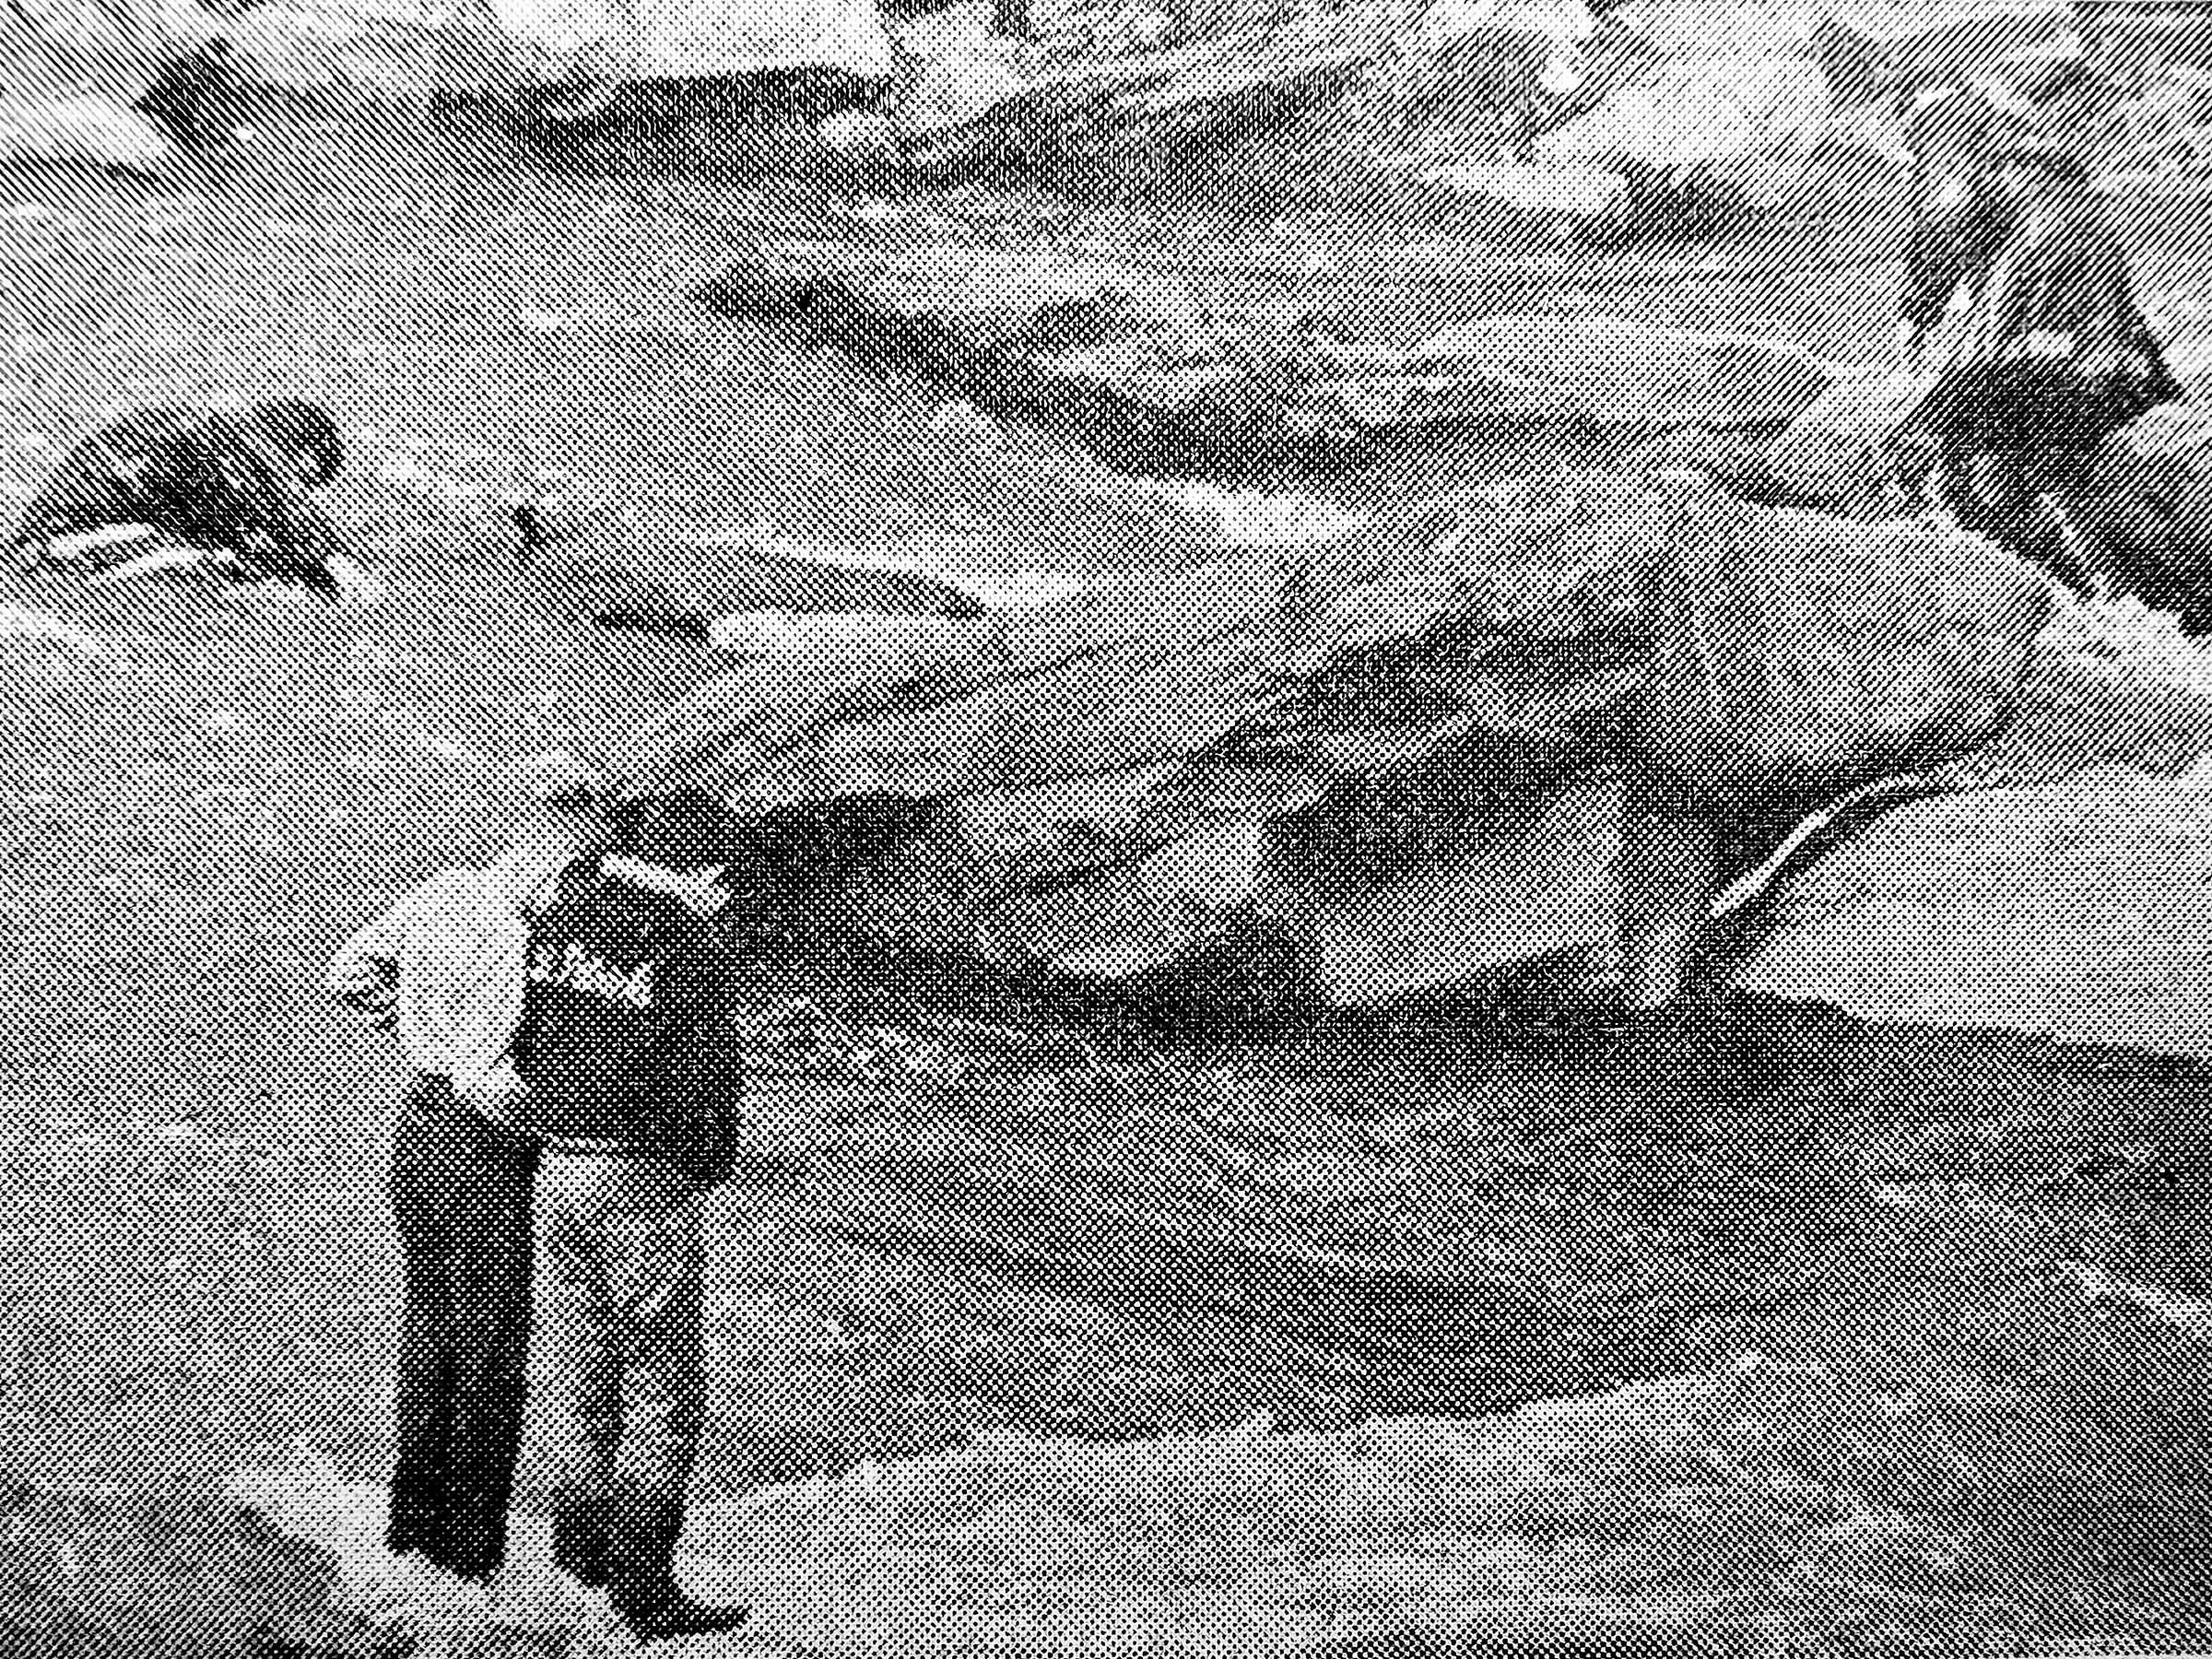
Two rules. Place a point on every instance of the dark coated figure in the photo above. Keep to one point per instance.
(199, 98)
(238, 484)
(2052, 353)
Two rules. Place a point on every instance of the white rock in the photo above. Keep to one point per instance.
(963, 422)
(77, 545)
(963, 69)
(1253, 518)
(85, 130)
(1721, 110)
(16, 622)
(2071, 911)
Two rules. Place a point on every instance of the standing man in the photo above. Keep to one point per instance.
(441, 969)
(624, 1070)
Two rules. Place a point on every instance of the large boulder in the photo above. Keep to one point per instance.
(1798, 655)
(1719, 111)
(690, 40)
(1098, 98)
(1286, 759)
(1552, 58)
(1699, 143)
(1835, 453)
(2052, 911)
(1564, 199)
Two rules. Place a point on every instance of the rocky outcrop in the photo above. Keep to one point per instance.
(1521, 725)
(1092, 97)
(1264, 353)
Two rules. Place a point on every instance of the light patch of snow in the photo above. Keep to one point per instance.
(18, 622)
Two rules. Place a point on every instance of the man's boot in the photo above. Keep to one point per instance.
(641, 1561)
(580, 1538)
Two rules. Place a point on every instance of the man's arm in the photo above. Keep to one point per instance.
(704, 1068)
(522, 881)
(524, 874)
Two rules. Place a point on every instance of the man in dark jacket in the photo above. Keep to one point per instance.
(2052, 353)
(238, 484)
(630, 1080)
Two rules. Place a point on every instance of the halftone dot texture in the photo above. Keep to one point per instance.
(1053, 1198)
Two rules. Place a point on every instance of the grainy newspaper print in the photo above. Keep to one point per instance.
(1083, 828)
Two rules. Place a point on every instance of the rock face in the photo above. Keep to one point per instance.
(1285, 759)
(1261, 354)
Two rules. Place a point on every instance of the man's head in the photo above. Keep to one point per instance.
(303, 430)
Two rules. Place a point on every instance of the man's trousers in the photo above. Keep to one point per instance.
(461, 1195)
(625, 1260)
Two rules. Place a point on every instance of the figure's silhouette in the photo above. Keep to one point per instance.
(198, 98)
(238, 484)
